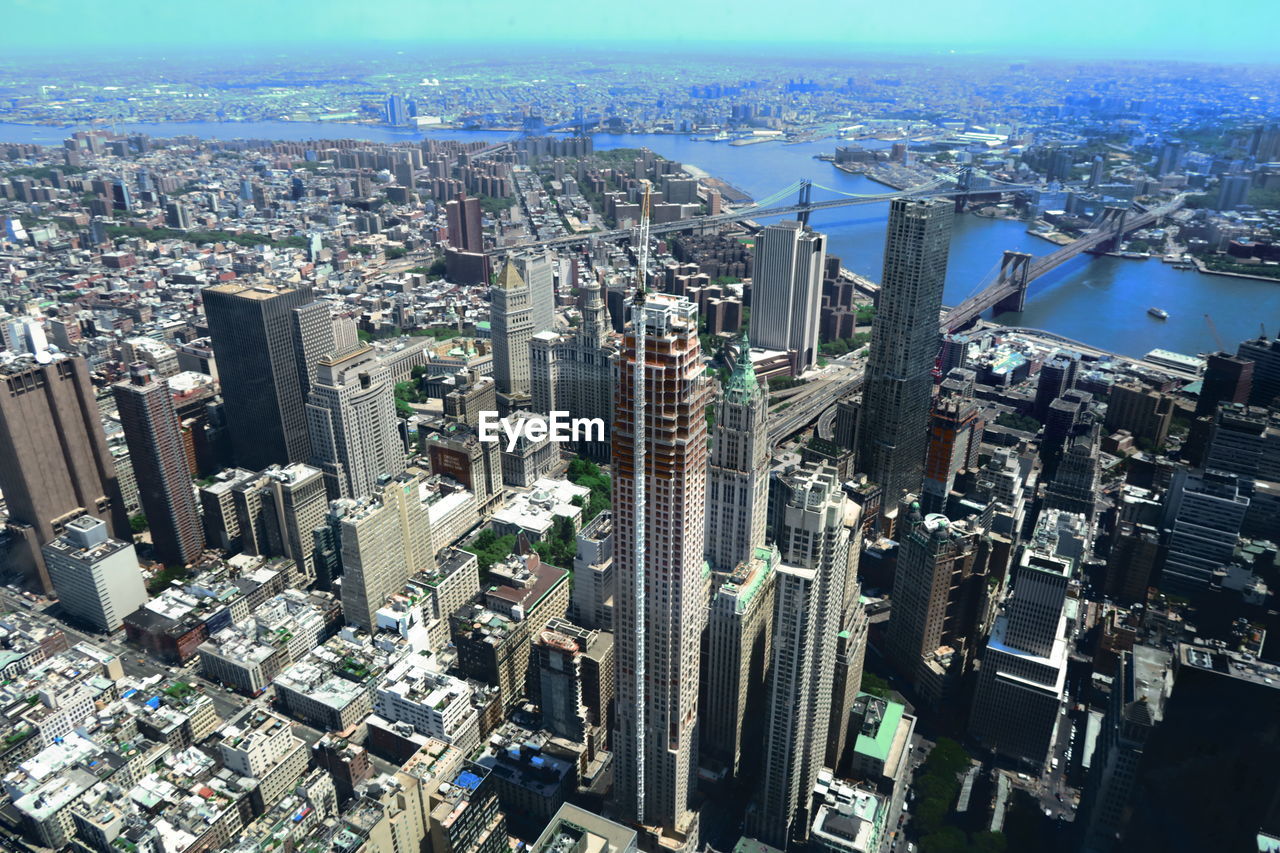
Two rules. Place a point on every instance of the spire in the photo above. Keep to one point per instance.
(509, 278)
(593, 293)
(742, 383)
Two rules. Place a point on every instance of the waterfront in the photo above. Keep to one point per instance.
(1101, 301)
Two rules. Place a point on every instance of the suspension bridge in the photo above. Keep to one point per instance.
(959, 184)
(1006, 289)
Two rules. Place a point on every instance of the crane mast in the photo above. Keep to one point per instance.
(639, 466)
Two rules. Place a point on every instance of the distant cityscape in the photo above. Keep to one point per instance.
(444, 464)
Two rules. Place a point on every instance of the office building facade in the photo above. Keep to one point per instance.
(156, 448)
(786, 292)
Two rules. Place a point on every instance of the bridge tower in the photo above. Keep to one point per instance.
(1014, 269)
(806, 190)
(964, 182)
(1113, 214)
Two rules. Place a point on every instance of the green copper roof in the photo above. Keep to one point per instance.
(878, 747)
(742, 383)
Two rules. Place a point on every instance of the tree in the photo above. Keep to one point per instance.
(1013, 420)
(949, 839)
(584, 472)
(561, 544)
(875, 685)
(138, 523)
(489, 548)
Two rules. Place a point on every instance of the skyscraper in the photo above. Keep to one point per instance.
(54, 462)
(1139, 692)
(266, 352)
(463, 217)
(1233, 191)
(955, 434)
(538, 273)
(904, 345)
(786, 292)
(275, 514)
(574, 372)
(1057, 376)
(738, 473)
(156, 448)
(809, 511)
(1264, 352)
(97, 578)
(659, 492)
(351, 414)
(738, 655)
(396, 110)
(385, 538)
(937, 590)
(1204, 513)
(1207, 777)
(1227, 379)
(1022, 682)
(1097, 171)
(511, 318)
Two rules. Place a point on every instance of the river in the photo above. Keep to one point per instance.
(1097, 300)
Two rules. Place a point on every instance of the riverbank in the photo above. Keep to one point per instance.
(1202, 267)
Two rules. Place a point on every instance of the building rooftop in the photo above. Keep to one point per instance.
(575, 830)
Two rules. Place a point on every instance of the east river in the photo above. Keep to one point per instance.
(1100, 301)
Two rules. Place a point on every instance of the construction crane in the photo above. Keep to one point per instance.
(1217, 339)
(639, 466)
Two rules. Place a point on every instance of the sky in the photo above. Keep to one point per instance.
(1242, 30)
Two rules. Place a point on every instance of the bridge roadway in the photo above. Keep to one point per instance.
(999, 290)
(812, 402)
(762, 213)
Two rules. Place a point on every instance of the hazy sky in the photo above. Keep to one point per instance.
(1194, 29)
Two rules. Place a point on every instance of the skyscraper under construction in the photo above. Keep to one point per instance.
(659, 491)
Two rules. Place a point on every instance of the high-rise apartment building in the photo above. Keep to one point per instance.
(574, 372)
(351, 414)
(938, 588)
(385, 538)
(659, 494)
(97, 578)
(511, 319)
(738, 472)
(54, 462)
(156, 448)
(463, 217)
(955, 434)
(267, 339)
(809, 512)
(786, 292)
(904, 345)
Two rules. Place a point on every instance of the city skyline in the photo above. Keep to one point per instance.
(931, 492)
